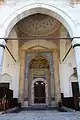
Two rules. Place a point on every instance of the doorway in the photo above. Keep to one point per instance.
(75, 91)
(39, 92)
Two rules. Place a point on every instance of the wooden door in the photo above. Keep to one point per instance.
(75, 91)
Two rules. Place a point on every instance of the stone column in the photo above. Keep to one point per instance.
(2, 47)
(56, 76)
(76, 46)
(22, 77)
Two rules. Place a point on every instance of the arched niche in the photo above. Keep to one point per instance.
(6, 78)
(39, 71)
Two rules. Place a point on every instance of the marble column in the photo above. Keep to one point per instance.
(76, 46)
(2, 47)
(56, 76)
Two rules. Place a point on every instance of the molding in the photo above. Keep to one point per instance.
(76, 45)
(3, 46)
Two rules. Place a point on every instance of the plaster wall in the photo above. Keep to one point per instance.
(66, 70)
(10, 66)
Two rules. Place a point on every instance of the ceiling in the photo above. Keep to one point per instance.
(38, 25)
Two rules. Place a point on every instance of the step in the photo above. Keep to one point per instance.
(39, 108)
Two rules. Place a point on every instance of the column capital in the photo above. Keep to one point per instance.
(2, 43)
(76, 42)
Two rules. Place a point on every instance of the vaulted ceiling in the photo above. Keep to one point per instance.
(38, 25)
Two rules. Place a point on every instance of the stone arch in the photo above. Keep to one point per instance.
(32, 89)
(6, 78)
(27, 10)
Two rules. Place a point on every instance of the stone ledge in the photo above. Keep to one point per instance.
(9, 110)
(68, 109)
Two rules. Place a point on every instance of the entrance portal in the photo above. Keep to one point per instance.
(39, 92)
(39, 81)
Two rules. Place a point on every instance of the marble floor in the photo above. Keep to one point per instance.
(41, 115)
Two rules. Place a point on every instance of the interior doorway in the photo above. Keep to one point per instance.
(75, 91)
(39, 92)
